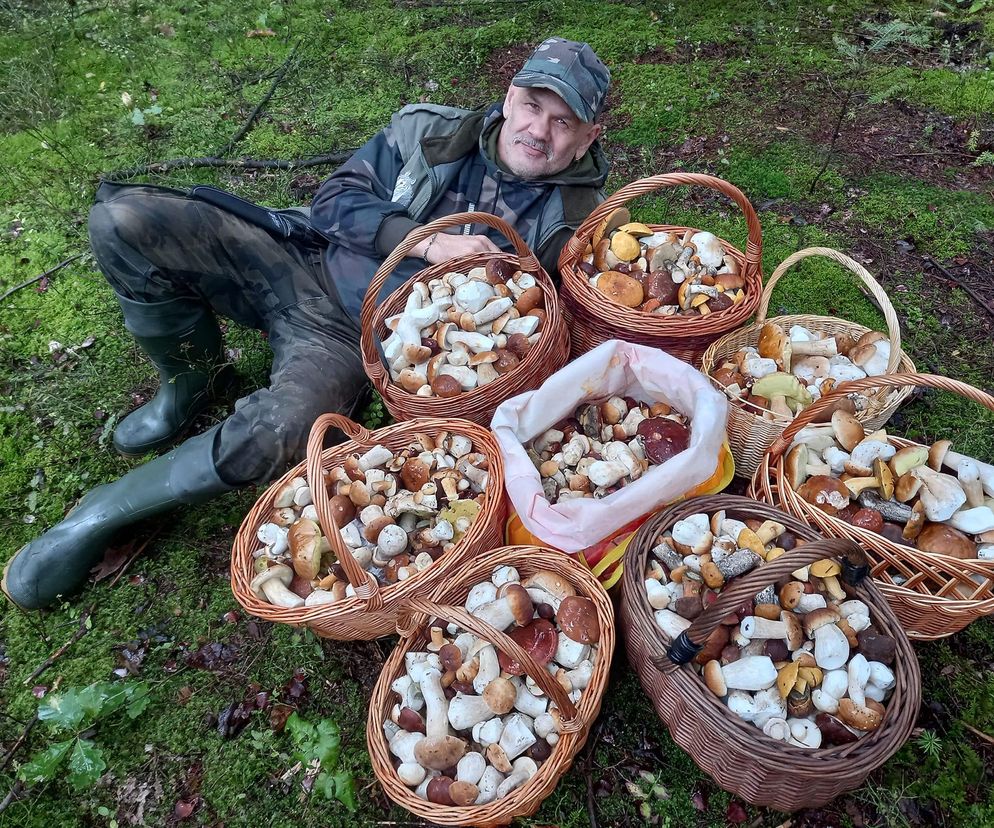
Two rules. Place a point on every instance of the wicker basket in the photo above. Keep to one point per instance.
(373, 611)
(938, 595)
(748, 433)
(548, 355)
(739, 756)
(593, 319)
(447, 603)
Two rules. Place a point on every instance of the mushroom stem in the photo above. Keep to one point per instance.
(986, 471)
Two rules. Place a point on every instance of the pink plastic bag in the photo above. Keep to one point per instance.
(624, 369)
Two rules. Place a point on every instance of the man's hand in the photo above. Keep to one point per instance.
(441, 247)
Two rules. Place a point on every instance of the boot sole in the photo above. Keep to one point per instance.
(3, 580)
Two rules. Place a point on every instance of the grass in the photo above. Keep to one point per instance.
(709, 75)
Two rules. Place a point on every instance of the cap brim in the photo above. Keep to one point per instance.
(572, 98)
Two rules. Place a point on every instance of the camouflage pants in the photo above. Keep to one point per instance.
(156, 244)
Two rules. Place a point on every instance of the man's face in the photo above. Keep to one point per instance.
(541, 135)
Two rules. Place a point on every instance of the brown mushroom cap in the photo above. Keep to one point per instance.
(774, 344)
(818, 618)
(463, 793)
(414, 473)
(411, 721)
(451, 657)
(539, 639)
(342, 510)
(551, 582)
(827, 493)
(796, 466)
(876, 646)
(944, 540)
(304, 538)
(620, 288)
(438, 791)
(795, 632)
(715, 679)
(577, 618)
(445, 386)
(615, 219)
(499, 694)
(439, 753)
(520, 603)
(848, 430)
(862, 718)
(663, 438)
(833, 731)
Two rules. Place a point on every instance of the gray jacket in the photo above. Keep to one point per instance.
(433, 161)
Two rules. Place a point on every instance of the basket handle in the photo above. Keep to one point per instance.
(526, 261)
(868, 383)
(854, 568)
(871, 284)
(407, 624)
(365, 584)
(754, 245)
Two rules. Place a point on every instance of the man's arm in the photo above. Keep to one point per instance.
(353, 206)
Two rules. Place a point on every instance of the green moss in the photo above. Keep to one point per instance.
(659, 99)
(940, 222)
(953, 92)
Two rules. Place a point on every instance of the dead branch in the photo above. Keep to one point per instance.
(332, 159)
(250, 122)
(12, 795)
(959, 283)
(82, 630)
(40, 276)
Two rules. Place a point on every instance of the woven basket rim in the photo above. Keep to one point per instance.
(525, 800)
(720, 348)
(245, 541)
(906, 693)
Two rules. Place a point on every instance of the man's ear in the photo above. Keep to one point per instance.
(508, 100)
(592, 136)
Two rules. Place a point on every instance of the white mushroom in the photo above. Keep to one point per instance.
(272, 585)
(518, 735)
(488, 785)
(522, 770)
(749, 673)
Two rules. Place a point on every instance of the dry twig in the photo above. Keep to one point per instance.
(41, 276)
(332, 159)
(82, 630)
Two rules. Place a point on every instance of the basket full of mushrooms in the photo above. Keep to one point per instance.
(774, 368)
(673, 288)
(925, 514)
(462, 336)
(774, 662)
(341, 539)
(492, 690)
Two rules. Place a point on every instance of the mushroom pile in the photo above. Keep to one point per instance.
(788, 371)
(902, 494)
(660, 272)
(464, 330)
(469, 726)
(398, 512)
(802, 660)
(606, 445)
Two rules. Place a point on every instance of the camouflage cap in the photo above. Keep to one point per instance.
(572, 71)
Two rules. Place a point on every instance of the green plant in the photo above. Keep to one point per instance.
(317, 748)
(74, 713)
(929, 743)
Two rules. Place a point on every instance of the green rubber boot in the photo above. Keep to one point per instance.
(59, 562)
(183, 341)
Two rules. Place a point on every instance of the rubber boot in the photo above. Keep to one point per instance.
(183, 341)
(59, 562)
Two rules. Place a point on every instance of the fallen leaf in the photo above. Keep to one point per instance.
(39, 691)
(125, 99)
(182, 810)
(166, 30)
(736, 814)
(261, 33)
(699, 800)
(114, 560)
